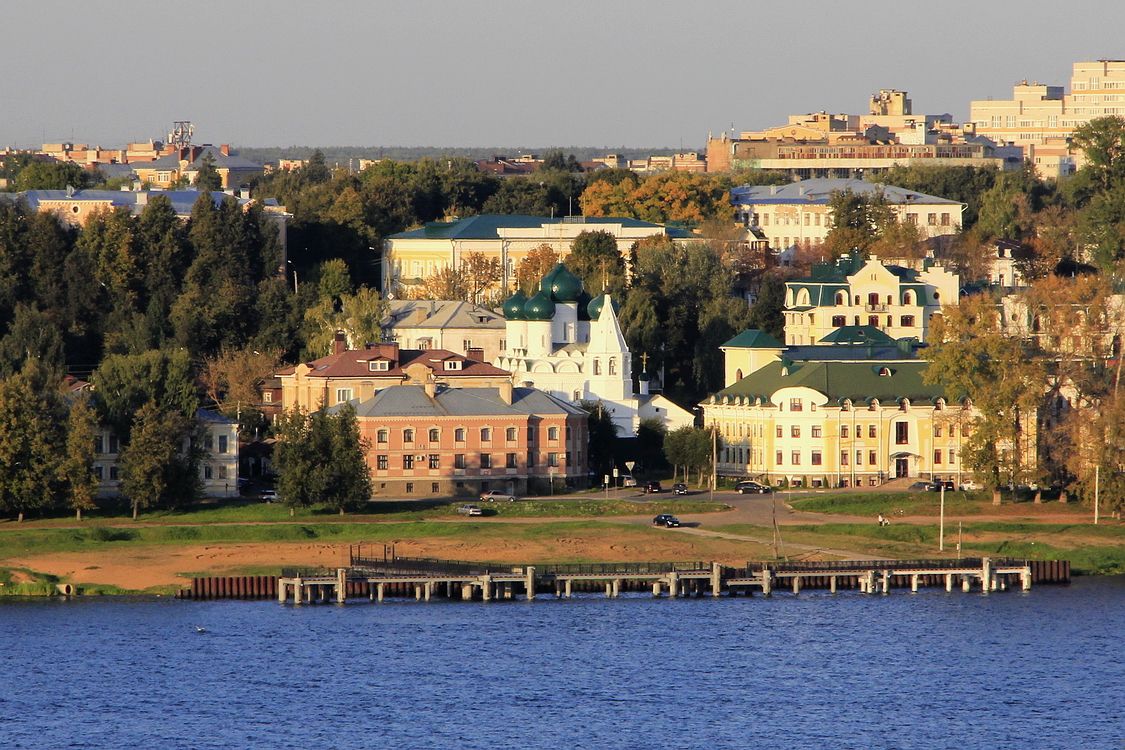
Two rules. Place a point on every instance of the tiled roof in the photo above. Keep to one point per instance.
(858, 381)
(412, 401)
(354, 363)
(819, 191)
(441, 314)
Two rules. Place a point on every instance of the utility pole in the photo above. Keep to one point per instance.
(715, 459)
(941, 525)
(1097, 469)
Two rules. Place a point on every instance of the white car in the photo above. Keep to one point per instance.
(268, 496)
(494, 495)
(470, 510)
(628, 481)
(970, 485)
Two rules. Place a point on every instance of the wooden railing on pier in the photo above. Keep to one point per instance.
(379, 575)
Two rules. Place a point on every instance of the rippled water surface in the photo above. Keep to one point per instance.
(928, 670)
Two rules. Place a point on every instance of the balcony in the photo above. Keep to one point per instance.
(875, 308)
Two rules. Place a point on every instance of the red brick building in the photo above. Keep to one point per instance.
(434, 440)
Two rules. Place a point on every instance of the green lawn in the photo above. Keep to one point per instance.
(891, 504)
(46, 540)
(245, 511)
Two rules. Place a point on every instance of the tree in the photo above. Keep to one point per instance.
(962, 184)
(44, 175)
(602, 433)
(320, 458)
(663, 197)
(692, 448)
(1102, 144)
(232, 380)
(31, 442)
(360, 316)
(207, 178)
(448, 282)
(480, 273)
(333, 279)
(126, 382)
(76, 470)
(595, 259)
(534, 266)
(650, 444)
(973, 358)
(32, 335)
(155, 468)
(857, 220)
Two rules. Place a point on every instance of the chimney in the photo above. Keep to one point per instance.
(505, 390)
(431, 388)
(339, 343)
(475, 353)
(224, 149)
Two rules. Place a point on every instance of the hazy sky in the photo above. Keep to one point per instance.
(435, 73)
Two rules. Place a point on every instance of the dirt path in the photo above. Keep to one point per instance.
(143, 566)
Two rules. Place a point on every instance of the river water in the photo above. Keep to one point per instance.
(926, 670)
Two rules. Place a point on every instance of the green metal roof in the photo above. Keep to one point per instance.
(862, 335)
(487, 226)
(858, 381)
(752, 338)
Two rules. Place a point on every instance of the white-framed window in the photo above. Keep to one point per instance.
(453, 364)
(378, 365)
(343, 394)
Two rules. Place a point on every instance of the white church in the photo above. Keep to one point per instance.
(563, 342)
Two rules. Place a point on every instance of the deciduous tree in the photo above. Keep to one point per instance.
(76, 470)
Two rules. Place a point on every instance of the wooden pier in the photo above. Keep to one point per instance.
(424, 579)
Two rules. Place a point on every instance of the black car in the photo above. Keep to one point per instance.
(937, 484)
(679, 488)
(667, 520)
(651, 487)
(750, 487)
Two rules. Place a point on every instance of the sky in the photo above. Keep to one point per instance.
(637, 73)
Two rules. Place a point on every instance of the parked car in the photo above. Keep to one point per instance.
(937, 484)
(628, 481)
(654, 486)
(470, 510)
(750, 487)
(495, 495)
(268, 496)
(666, 520)
(970, 485)
(679, 488)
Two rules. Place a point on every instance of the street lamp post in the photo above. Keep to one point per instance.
(294, 268)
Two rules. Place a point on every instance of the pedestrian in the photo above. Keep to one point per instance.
(882, 521)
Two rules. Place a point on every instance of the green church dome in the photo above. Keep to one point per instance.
(513, 308)
(561, 284)
(539, 307)
(596, 305)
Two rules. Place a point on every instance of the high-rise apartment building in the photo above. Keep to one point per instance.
(1041, 118)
